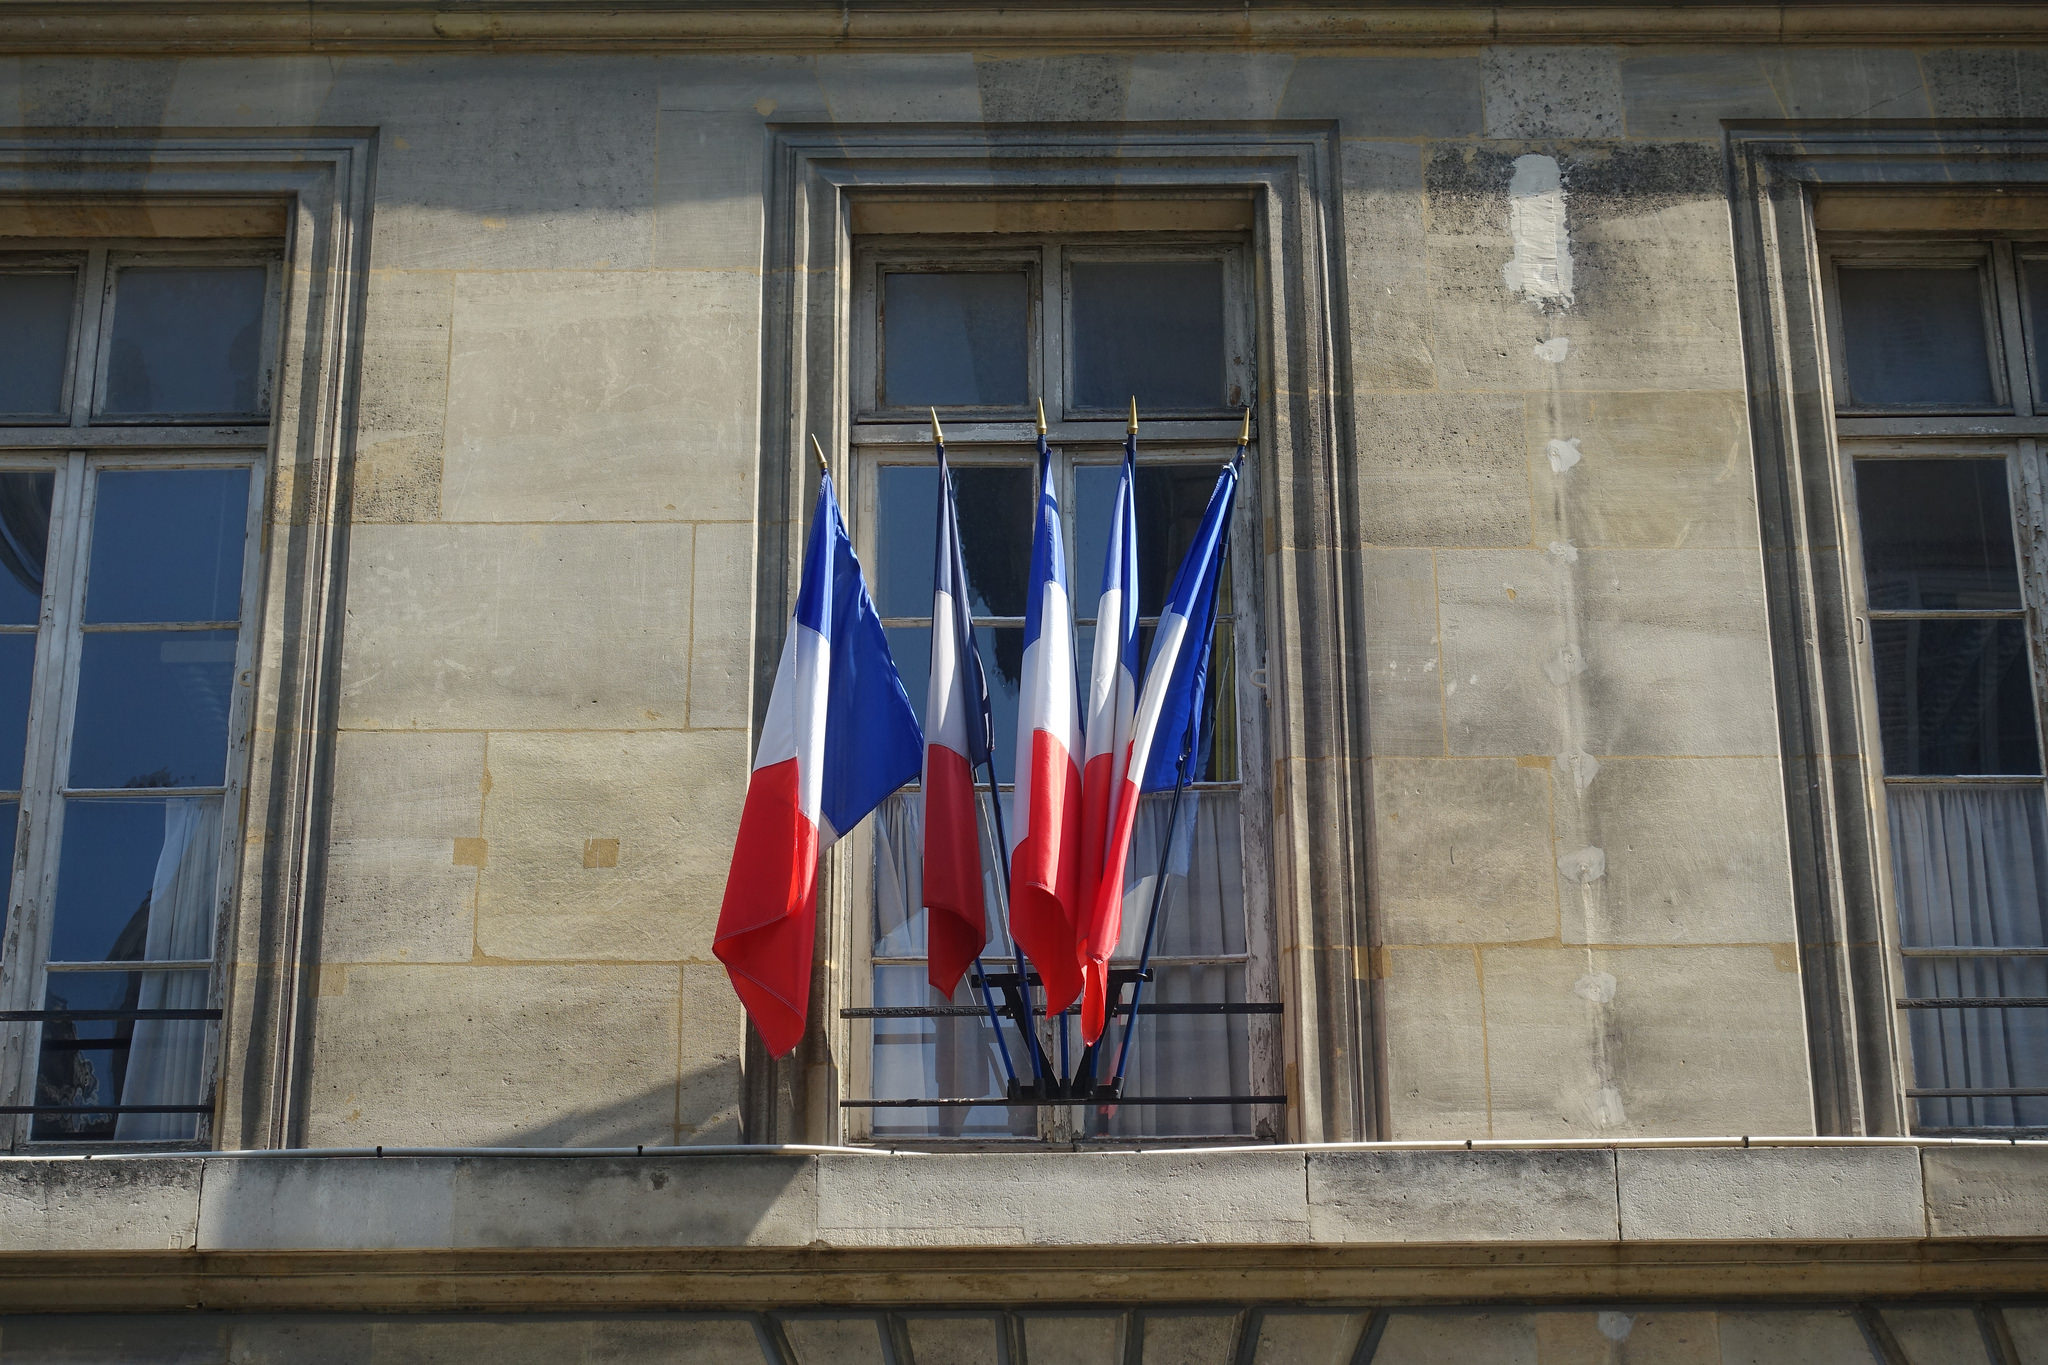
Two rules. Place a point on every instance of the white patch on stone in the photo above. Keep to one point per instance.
(1585, 866)
(1615, 1326)
(1607, 1110)
(1450, 687)
(1541, 268)
(1597, 987)
(1429, 665)
(1582, 766)
(1554, 350)
(1565, 550)
(1563, 454)
(1567, 664)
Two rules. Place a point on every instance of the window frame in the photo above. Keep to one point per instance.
(79, 448)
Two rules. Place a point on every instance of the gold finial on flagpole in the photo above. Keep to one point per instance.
(1133, 427)
(1244, 433)
(1041, 417)
(819, 451)
(938, 437)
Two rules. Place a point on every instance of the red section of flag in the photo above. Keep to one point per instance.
(1098, 810)
(768, 920)
(956, 928)
(1045, 905)
(1105, 922)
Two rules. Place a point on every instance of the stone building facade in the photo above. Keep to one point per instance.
(1641, 557)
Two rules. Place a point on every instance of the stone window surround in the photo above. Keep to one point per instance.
(815, 175)
(1855, 1043)
(321, 182)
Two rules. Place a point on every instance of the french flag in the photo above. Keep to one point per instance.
(1112, 680)
(838, 738)
(1045, 846)
(956, 719)
(1163, 732)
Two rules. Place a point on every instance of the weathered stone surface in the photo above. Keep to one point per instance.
(1499, 1338)
(1688, 94)
(1846, 82)
(1654, 470)
(1079, 89)
(1073, 1339)
(1641, 1041)
(454, 1056)
(1436, 1044)
(1986, 1191)
(225, 92)
(400, 418)
(2029, 1328)
(1627, 1336)
(1409, 1196)
(1048, 1199)
(954, 1338)
(296, 1341)
(1938, 1336)
(708, 199)
(1290, 1338)
(1464, 852)
(1533, 92)
(767, 86)
(603, 396)
(1693, 849)
(139, 1339)
(1997, 83)
(72, 92)
(1709, 1193)
(830, 1340)
(722, 659)
(937, 87)
(608, 845)
(398, 1342)
(1187, 85)
(1188, 1338)
(401, 867)
(497, 627)
(698, 1339)
(1386, 268)
(714, 1039)
(1443, 469)
(1387, 97)
(1404, 679)
(1826, 1336)
(106, 1204)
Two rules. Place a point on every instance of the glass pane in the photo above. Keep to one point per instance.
(109, 1062)
(10, 816)
(996, 505)
(1954, 697)
(135, 881)
(1170, 501)
(1201, 912)
(17, 662)
(1937, 534)
(167, 545)
(35, 341)
(1153, 329)
(957, 339)
(2034, 280)
(186, 341)
(1970, 866)
(25, 498)
(1183, 1054)
(906, 504)
(1980, 1049)
(899, 927)
(153, 709)
(953, 1057)
(1915, 337)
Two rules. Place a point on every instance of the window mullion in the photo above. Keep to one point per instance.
(92, 314)
(2011, 335)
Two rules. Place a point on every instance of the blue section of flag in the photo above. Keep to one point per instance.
(1178, 739)
(873, 743)
(951, 573)
(1048, 548)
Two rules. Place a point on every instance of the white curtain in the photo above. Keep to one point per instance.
(165, 1055)
(1971, 867)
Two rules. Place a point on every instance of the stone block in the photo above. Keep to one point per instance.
(1387, 97)
(1987, 83)
(298, 1341)
(1645, 1041)
(722, 658)
(1464, 852)
(781, 87)
(1443, 469)
(516, 627)
(1089, 88)
(2029, 1328)
(495, 1056)
(1986, 1191)
(1404, 680)
(277, 91)
(1612, 1337)
(714, 1039)
(108, 1338)
(1195, 85)
(1689, 94)
(395, 1341)
(1654, 471)
(401, 416)
(1545, 92)
(1858, 82)
(939, 87)
(1693, 849)
(671, 802)
(698, 1339)
(612, 396)
(1057, 1199)
(75, 92)
(106, 1204)
(819, 1339)
(1073, 1338)
(1436, 1044)
(1188, 1338)
(1508, 654)
(1823, 1336)
(1768, 1193)
(1304, 1338)
(399, 884)
(956, 1339)
(499, 161)
(286, 1203)
(1938, 1336)
(1417, 1196)
(1431, 1338)
(1386, 272)
(708, 200)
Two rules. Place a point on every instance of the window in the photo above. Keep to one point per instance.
(1937, 343)
(135, 395)
(979, 332)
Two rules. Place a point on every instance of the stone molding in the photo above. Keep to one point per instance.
(186, 26)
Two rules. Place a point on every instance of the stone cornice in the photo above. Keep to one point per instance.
(250, 26)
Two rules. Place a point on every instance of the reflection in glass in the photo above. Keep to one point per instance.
(167, 545)
(108, 1062)
(1915, 337)
(1170, 500)
(153, 709)
(10, 817)
(17, 662)
(187, 341)
(955, 339)
(2034, 280)
(1149, 328)
(996, 505)
(25, 498)
(1954, 697)
(135, 880)
(35, 341)
(1937, 534)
